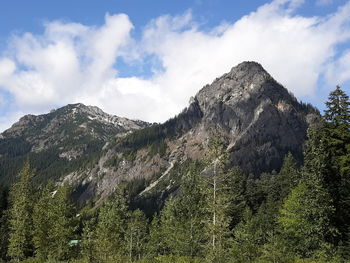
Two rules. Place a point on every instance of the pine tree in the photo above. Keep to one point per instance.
(246, 241)
(289, 176)
(55, 223)
(64, 225)
(305, 217)
(338, 111)
(43, 221)
(218, 199)
(337, 131)
(20, 216)
(4, 224)
(182, 217)
(156, 245)
(88, 242)
(136, 235)
(110, 231)
(337, 138)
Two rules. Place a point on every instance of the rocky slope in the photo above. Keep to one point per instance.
(257, 118)
(64, 140)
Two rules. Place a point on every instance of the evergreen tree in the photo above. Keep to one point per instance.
(289, 176)
(338, 111)
(64, 224)
(247, 235)
(54, 222)
(337, 138)
(43, 221)
(20, 216)
(156, 245)
(4, 224)
(182, 218)
(136, 235)
(218, 199)
(110, 231)
(305, 218)
(88, 240)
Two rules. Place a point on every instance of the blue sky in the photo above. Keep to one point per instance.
(144, 59)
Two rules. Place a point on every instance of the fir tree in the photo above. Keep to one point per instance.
(43, 221)
(136, 235)
(4, 224)
(54, 222)
(64, 223)
(338, 111)
(182, 217)
(156, 245)
(337, 139)
(88, 242)
(217, 192)
(247, 235)
(20, 216)
(110, 231)
(289, 176)
(305, 217)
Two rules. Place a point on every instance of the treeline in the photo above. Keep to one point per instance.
(219, 214)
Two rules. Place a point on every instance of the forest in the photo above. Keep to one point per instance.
(218, 214)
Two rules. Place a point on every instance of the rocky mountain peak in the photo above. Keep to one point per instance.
(246, 80)
(248, 67)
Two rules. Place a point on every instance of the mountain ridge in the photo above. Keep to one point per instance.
(65, 134)
(256, 117)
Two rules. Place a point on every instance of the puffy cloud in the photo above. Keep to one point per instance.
(67, 61)
(71, 62)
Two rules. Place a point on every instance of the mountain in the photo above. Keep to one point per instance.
(257, 118)
(65, 140)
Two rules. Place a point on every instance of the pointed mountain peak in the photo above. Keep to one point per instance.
(249, 66)
(246, 81)
(249, 71)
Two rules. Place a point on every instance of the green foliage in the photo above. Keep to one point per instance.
(182, 217)
(305, 218)
(55, 223)
(217, 204)
(109, 241)
(4, 223)
(158, 147)
(21, 209)
(136, 235)
(156, 245)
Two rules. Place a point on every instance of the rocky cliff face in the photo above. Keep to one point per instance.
(257, 118)
(61, 141)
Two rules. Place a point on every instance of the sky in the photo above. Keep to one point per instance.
(145, 59)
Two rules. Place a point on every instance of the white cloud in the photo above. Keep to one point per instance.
(71, 62)
(339, 71)
(294, 49)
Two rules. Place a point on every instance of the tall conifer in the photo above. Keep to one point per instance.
(20, 216)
